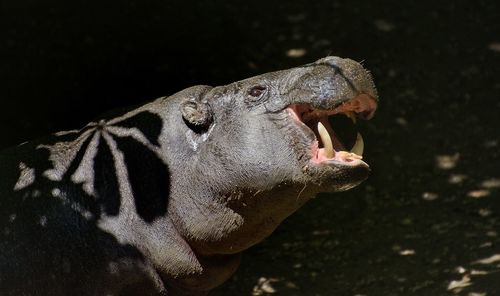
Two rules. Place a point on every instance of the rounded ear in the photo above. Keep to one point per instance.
(197, 114)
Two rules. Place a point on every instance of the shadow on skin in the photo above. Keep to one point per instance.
(44, 228)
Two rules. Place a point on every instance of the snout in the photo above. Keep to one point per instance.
(356, 76)
(334, 85)
(326, 84)
(330, 88)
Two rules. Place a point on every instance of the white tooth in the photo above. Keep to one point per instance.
(359, 146)
(327, 141)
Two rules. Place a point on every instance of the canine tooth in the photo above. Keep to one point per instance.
(327, 141)
(345, 154)
(351, 116)
(359, 146)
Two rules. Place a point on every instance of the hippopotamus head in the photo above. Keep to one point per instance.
(255, 150)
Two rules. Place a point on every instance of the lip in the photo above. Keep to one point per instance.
(319, 158)
(362, 106)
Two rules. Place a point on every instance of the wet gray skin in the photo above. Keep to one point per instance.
(238, 159)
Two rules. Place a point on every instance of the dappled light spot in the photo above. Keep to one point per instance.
(407, 221)
(490, 144)
(296, 52)
(443, 227)
(494, 46)
(456, 178)
(458, 285)
(264, 286)
(56, 192)
(401, 121)
(491, 183)
(26, 177)
(113, 268)
(321, 232)
(484, 212)
(492, 233)
(489, 260)
(43, 221)
(407, 252)
(383, 25)
(480, 193)
(429, 196)
(401, 279)
(403, 252)
(478, 272)
(290, 285)
(486, 245)
(447, 162)
(461, 270)
(36, 193)
(82, 211)
(87, 215)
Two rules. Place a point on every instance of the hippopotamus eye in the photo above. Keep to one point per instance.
(257, 91)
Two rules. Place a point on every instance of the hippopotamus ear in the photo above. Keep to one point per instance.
(197, 114)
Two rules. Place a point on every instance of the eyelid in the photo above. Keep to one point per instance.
(257, 91)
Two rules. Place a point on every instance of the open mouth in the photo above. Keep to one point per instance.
(328, 145)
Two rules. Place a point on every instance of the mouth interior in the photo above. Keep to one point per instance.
(336, 137)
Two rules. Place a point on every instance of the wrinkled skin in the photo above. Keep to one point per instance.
(236, 160)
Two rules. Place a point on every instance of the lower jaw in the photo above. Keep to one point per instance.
(343, 158)
(334, 176)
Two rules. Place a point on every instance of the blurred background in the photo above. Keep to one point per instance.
(426, 222)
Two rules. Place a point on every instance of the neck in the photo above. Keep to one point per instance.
(216, 269)
(232, 223)
(218, 228)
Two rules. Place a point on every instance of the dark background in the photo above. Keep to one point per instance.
(430, 211)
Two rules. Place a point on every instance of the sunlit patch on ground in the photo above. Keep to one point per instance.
(494, 46)
(296, 52)
(272, 285)
(480, 193)
(264, 286)
(491, 183)
(490, 260)
(429, 196)
(384, 25)
(457, 178)
(469, 276)
(447, 162)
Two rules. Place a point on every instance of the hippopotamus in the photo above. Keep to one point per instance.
(163, 199)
